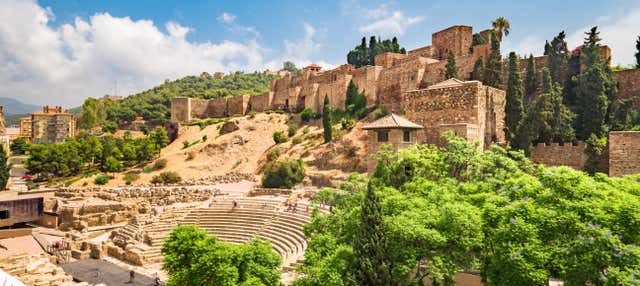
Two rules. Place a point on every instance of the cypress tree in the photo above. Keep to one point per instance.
(592, 102)
(531, 82)
(370, 244)
(638, 52)
(547, 48)
(478, 70)
(514, 110)
(451, 68)
(493, 69)
(373, 49)
(326, 120)
(547, 83)
(558, 58)
(4, 169)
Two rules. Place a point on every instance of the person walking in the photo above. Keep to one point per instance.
(132, 276)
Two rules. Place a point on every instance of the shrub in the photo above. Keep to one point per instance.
(185, 144)
(380, 112)
(166, 178)
(273, 155)
(85, 183)
(204, 138)
(279, 137)
(147, 169)
(291, 131)
(160, 164)
(307, 114)
(306, 131)
(101, 179)
(347, 123)
(283, 174)
(297, 140)
(130, 177)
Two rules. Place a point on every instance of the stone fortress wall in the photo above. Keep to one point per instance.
(555, 154)
(624, 153)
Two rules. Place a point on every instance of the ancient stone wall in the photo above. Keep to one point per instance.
(427, 52)
(457, 39)
(237, 105)
(366, 78)
(437, 106)
(555, 154)
(393, 82)
(387, 60)
(629, 84)
(624, 153)
(180, 109)
(495, 113)
(261, 102)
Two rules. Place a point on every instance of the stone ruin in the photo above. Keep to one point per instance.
(37, 270)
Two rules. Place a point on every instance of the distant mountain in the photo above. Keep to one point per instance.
(14, 106)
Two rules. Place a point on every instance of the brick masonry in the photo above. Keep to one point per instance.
(555, 154)
(624, 153)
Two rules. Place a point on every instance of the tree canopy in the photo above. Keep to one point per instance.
(363, 55)
(452, 209)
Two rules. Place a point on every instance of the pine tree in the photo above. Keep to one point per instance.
(638, 53)
(478, 70)
(593, 102)
(4, 169)
(547, 48)
(370, 244)
(493, 69)
(514, 110)
(373, 49)
(590, 52)
(326, 120)
(531, 83)
(558, 58)
(547, 82)
(451, 68)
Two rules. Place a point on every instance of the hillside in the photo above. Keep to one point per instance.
(155, 104)
(245, 150)
(14, 106)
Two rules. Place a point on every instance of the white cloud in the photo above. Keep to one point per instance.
(529, 45)
(394, 24)
(230, 20)
(619, 32)
(45, 65)
(227, 18)
(302, 52)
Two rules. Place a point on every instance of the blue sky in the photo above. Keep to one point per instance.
(65, 51)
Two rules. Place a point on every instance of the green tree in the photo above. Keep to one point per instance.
(290, 67)
(451, 70)
(191, 257)
(355, 102)
(593, 102)
(558, 58)
(326, 120)
(531, 80)
(547, 119)
(478, 70)
(4, 169)
(501, 26)
(370, 244)
(547, 82)
(363, 55)
(159, 137)
(493, 69)
(638, 52)
(623, 115)
(514, 109)
(595, 151)
(283, 174)
(18, 146)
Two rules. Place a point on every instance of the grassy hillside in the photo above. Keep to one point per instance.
(155, 104)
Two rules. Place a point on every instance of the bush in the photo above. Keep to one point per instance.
(297, 140)
(166, 178)
(273, 155)
(204, 138)
(279, 137)
(291, 131)
(18, 146)
(160, 164)
(130, 177)
(307, 114)
(147, 169)
(347, 123)
(85, 183)
(283, 174)
(380, 112)
(185, 144)
(101, 179)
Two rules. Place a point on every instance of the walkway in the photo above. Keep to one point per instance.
(96, 271)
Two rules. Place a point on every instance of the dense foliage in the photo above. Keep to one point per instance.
(166, 178)
(283, 174)
(493, 68)
(514, 108)
(355, 101)
(326, 120)
(445, 210)
(363, 55)
(18, 146)
(194, 258)
(154, 104)
(4, 169)
(451, 69)
(88, 152)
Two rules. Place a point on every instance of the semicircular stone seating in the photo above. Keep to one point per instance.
(254, 218)
(251, 218)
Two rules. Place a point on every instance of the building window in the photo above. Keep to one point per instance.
(4, 214)
(406, 136)
(383, 136)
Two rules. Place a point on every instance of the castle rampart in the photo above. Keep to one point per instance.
(629, 84)
(624, 153)
(555, 154)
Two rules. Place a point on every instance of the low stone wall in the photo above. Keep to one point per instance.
(268, 192)
(221, 179)
(624, 153)
(555, 154)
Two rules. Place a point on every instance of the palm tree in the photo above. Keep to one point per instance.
(501, 25)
